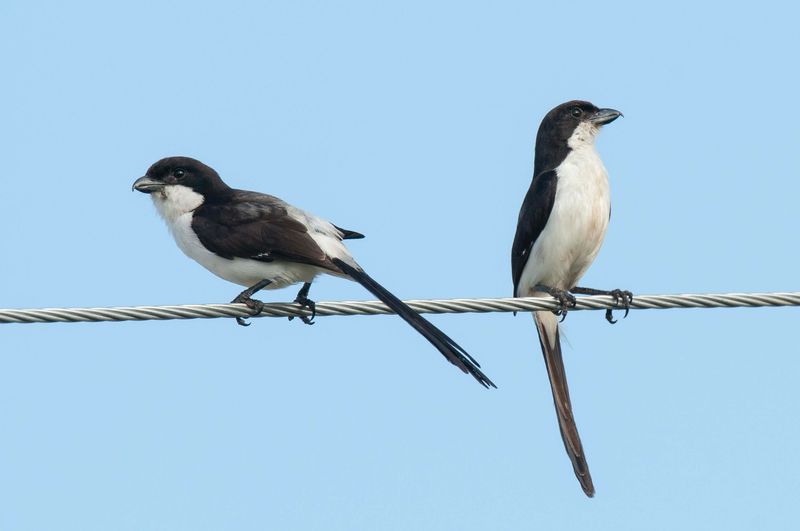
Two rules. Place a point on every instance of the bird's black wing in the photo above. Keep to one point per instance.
(259, 227)
(533, 217)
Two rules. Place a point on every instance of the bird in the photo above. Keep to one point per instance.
(261, 242)
(561, 225)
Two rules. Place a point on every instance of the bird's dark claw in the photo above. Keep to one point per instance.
(256, 307)
(305, 302)
(622, 298)
(566, 300)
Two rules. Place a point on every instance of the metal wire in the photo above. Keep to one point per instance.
(282, 309)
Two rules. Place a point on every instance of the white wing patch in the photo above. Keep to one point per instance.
(328, 237)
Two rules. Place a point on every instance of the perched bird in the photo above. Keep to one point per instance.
(561, 226)
(258, 241)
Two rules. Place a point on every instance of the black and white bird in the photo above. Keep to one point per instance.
(258, 241)
(561, 226)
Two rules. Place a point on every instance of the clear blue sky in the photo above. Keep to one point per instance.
(414, 124)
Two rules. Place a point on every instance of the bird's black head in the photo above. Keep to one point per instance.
(181, 171)
(569, 123)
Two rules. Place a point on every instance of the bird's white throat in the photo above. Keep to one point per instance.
(583, 136)
(174, 201)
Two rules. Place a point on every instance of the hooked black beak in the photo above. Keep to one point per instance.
(605, 116)
(147, 185)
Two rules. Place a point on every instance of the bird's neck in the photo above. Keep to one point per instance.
(583, 136)
(552, 151)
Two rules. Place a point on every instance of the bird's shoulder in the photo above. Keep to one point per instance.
(242, 207)
(245, 207)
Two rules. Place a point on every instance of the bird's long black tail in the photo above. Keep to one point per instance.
(449, 348)
(547, 326)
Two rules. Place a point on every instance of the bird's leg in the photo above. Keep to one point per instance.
(303, 300)
(621, 297)
(565, 299)
(245, 298)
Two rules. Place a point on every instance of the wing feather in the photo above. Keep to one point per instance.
(533, 215)
(259, 227)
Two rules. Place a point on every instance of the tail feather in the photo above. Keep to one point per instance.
(547, 326)
(449, 348)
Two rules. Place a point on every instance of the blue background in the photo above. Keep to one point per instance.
(413, 123)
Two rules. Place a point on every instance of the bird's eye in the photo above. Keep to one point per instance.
(576, 112)
(178, 173)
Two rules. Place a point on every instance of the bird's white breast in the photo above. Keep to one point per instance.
(577, 224)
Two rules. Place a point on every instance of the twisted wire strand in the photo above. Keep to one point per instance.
(284, 309)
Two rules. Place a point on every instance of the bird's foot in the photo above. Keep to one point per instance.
(305, 302)
(566, 300)
(622, 299)
(256, 307)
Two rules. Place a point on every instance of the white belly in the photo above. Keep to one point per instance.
(576, 227)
